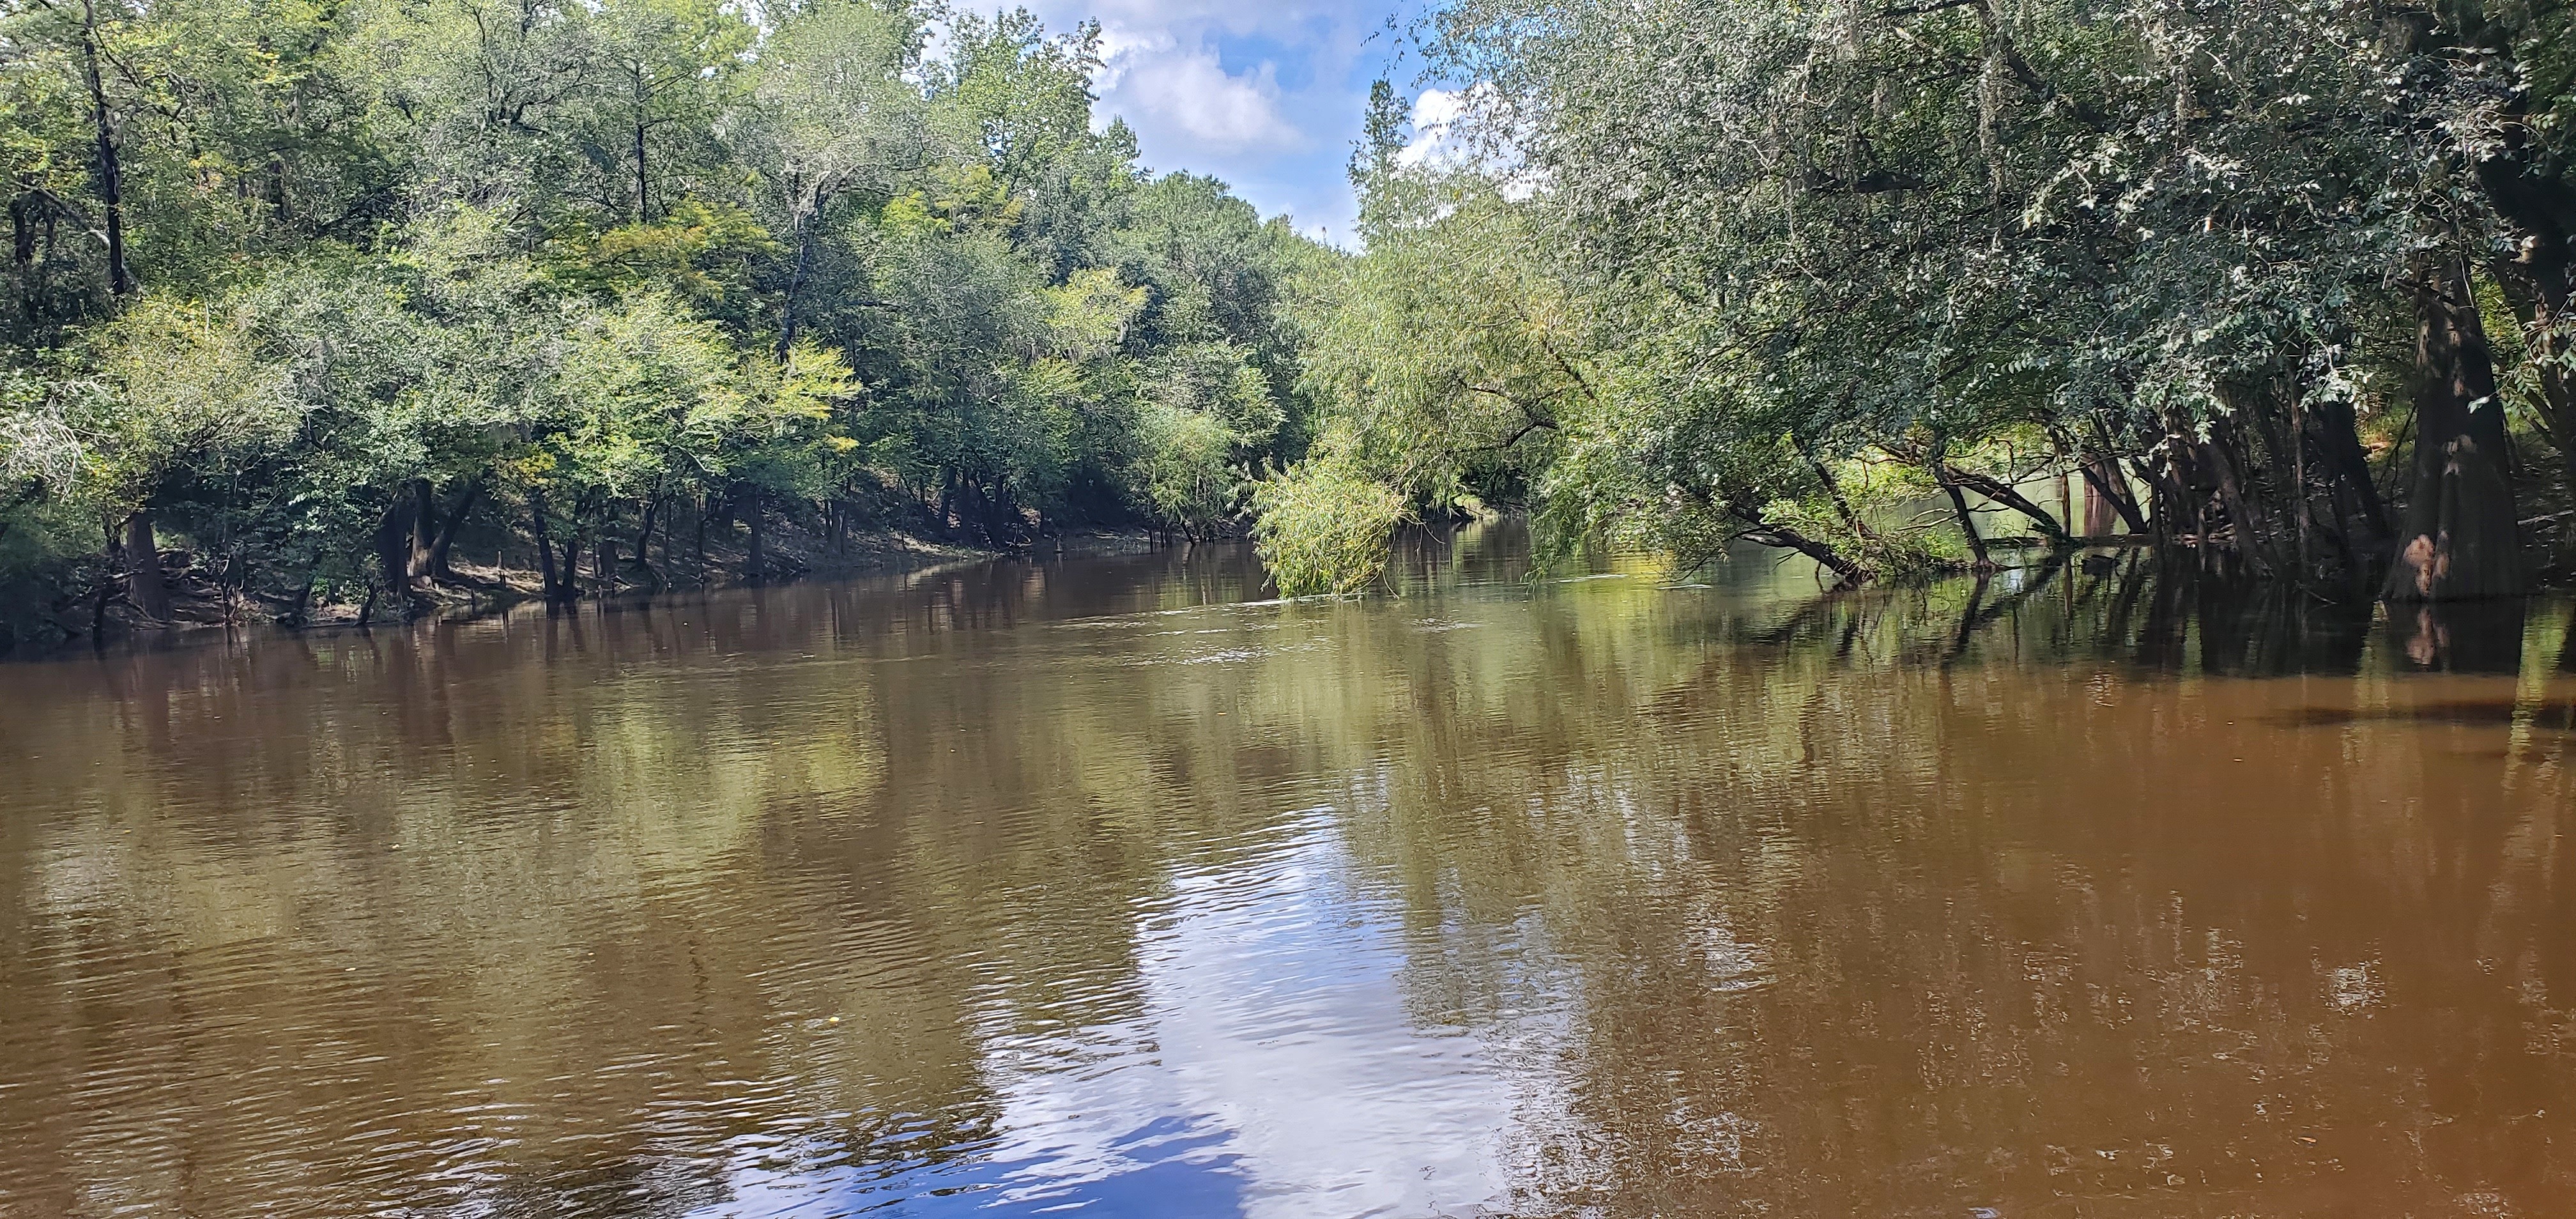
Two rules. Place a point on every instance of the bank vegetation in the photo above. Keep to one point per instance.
(312, 304)
(2280, 287)
(364, 305)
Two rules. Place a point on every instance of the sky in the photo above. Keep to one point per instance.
(1265, 94)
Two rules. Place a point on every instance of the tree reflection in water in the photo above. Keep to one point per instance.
(1108, 883)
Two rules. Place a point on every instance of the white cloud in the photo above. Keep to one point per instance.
(1160, 85)
(1266, 95)
(1439, 141)
(1433, 114)
(1286, 17)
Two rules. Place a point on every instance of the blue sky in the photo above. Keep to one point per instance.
(1266, 94)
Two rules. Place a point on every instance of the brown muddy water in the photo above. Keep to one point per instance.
(1108, 887)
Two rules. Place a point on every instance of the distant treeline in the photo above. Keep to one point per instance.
(2285, 285)
(299, 292)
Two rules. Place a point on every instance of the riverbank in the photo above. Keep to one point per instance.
(202, 599)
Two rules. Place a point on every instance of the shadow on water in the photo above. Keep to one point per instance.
(2125, 607)
(2132, 611)
(2490, 714)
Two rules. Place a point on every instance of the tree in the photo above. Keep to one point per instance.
(544, 276)
(2153, 246)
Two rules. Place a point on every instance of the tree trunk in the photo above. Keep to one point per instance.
(111, 173)
(554, 587)
(394, 542)
(1786, 538)
(702, 541)
(2299, 480)
(2251, 534)
(643, 102)
(661, 574)
(447, 526)
(143, 584)
(2332, 429)
(22, 230)
(2461, 540)
(2102, 472)
(2103, 477)
(1967, 521)
(424, 529)
(751, 564)
(795, 288)
(2003, 493)
(2172, 470)
(295, 612)
(644, 539)
(2100, 516)
(1834, 490)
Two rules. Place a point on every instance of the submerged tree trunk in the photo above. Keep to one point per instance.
(2460, 539)
(143, 584)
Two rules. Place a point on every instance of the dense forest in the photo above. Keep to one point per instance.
(2282, 287)
(310, 303)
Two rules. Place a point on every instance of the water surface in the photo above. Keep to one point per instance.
(1113, 887)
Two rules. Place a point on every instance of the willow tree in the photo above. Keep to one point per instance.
(2182, 244)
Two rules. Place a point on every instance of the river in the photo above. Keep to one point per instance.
(1109, 886)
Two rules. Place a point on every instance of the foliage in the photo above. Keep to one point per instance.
(1324, 527)
(551, 274)
(2190, 249)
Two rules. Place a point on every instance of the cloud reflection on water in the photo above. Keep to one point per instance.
(1274, 1073)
